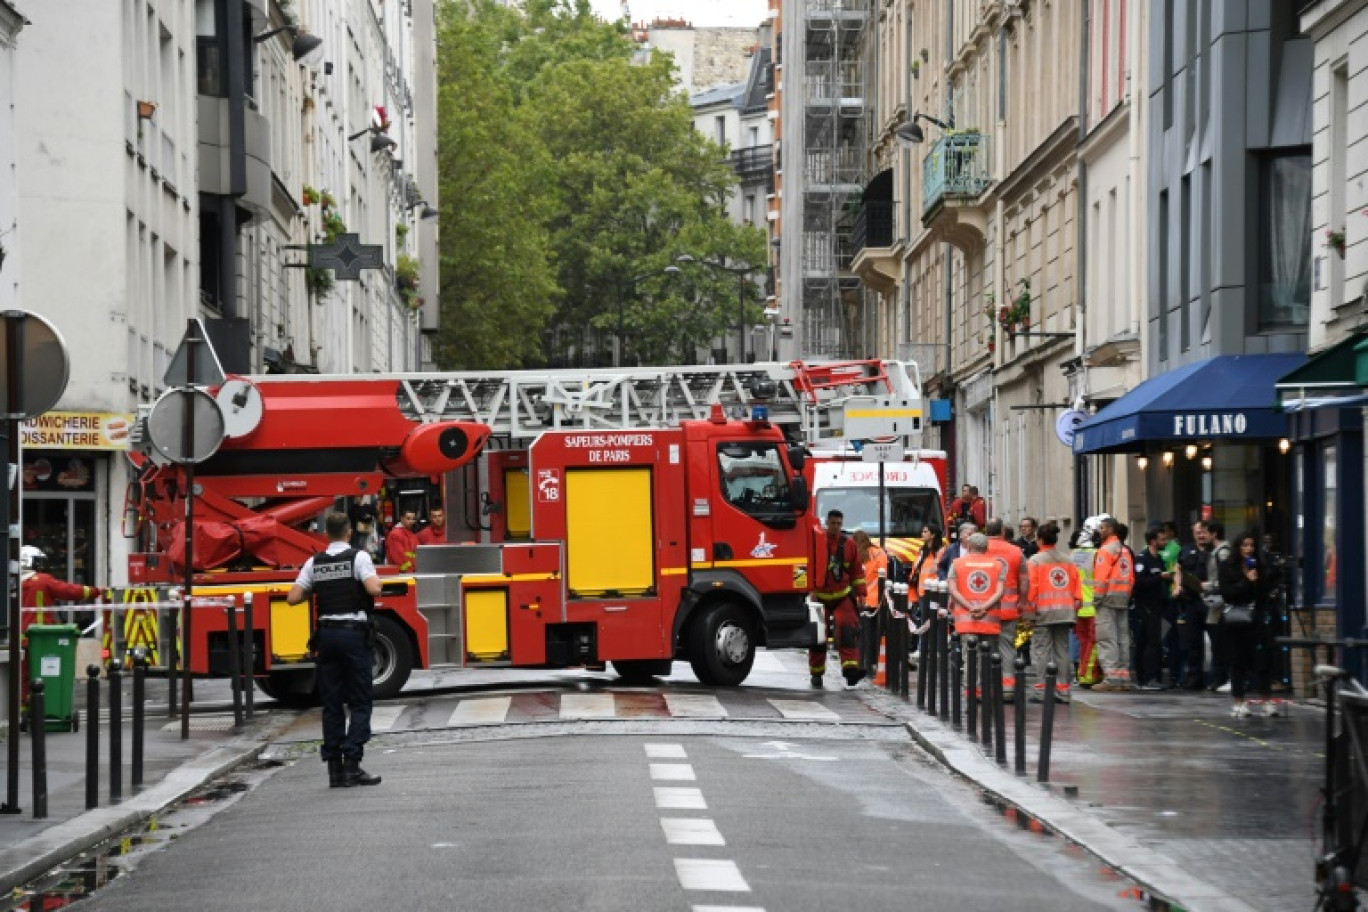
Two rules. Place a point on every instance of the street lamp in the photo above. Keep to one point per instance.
(911, 132)
(622, 300)
(741, 271)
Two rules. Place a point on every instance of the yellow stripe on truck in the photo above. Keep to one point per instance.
(883, 413)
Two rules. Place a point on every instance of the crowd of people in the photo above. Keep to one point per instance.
(1112, 615)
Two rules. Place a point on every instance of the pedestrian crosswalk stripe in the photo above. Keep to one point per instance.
(768, 663)
(679, 798)
(710, 874)
(587, 706)
(481, 711)
(665, 751)
(804, 709)
(691, 831)
(695, 706)
(384, 717)
(672, 772)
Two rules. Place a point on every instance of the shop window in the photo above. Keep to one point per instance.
(59, 512)
(1327, 571)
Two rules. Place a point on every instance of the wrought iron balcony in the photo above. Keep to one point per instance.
(873, 225)
(957, 167)
(753, 161)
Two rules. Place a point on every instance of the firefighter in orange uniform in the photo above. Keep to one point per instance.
(840, 589)
(1056, 594)
(42, 591)
(1017, 593)
(977, 583)
(401, 544)
(1113, 580)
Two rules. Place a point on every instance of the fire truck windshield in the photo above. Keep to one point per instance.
(906, 510)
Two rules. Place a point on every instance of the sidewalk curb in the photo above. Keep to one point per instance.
(38, 854)
(1160, 875)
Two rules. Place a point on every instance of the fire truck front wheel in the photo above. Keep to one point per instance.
(722, 645)
(391, 658)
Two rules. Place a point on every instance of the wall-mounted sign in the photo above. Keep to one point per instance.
(1067, 423)
(77, 431)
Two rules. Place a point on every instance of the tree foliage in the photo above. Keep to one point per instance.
(576, 178)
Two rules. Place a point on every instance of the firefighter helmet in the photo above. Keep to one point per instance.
(31, 558)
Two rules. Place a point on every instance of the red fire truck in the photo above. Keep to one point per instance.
(632, 517)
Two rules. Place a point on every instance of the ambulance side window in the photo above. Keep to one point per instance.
(754, 480)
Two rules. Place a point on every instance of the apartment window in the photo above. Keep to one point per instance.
(1284, 261)
(754, 137)
(1185, 264)
(1167, 75)
(1162, 296)
(720, 130)
(748, 209)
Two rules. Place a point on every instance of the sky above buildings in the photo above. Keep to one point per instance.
(702, 13)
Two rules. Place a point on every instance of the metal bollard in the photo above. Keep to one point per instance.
(943, 662)
(957, 672)
(249, 654)
(1019, 708)
(987, 647)
(1047, 723)
(234, 667)
(92, 736)
(969, 683)
(135, 777)
(37, 720)
(115, 730)
(999, 709)
(167, 620)
(922, 660)
(929, 657)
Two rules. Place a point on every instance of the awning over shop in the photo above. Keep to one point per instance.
(1331, 379)
(1229, 397)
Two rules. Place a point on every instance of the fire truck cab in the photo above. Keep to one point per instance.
(645, 546)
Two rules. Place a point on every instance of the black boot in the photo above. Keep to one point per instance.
(336, 779)
(355, 775)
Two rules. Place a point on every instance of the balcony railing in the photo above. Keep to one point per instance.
(957, 166)
(752, 161)
(873, 225)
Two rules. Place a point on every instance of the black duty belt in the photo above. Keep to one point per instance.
(345, 624)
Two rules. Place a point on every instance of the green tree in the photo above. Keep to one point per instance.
(548, 102)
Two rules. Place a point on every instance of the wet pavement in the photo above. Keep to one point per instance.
(1203, 811)
(1168, 787)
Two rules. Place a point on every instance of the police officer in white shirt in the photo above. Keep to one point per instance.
(344, 585)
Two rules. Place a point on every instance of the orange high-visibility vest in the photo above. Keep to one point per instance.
(1056, 588)
(977, 581)
(1011, 597)
(1113, 574)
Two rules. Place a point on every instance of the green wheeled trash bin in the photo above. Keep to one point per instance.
(52, 657)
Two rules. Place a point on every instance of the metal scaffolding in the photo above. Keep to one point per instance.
(834, 93)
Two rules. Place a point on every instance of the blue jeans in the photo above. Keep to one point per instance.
(344, 682)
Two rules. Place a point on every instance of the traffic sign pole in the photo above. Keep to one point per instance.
(187, 445)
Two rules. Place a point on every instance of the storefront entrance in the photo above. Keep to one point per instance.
(58, 507)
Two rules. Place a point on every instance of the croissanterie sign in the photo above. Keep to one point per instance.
(77, 431)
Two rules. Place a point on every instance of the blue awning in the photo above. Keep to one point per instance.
(1229, 397)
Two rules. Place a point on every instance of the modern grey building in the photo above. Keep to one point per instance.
(1229, 270)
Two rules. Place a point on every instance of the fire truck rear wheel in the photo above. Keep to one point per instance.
(391, 658)
(722, 645)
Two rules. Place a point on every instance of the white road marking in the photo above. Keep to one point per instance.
(679, 798)
(694, 706)
(672, 772)
(384, 717)
(665, 751)
(482, 710)
(728, 909)
(691, 831)
(707, 874)
(782, 750)
(804, 709)
(768, 662)
(587, 706)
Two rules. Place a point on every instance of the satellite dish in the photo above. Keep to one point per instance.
(242, 407)
(166, 425)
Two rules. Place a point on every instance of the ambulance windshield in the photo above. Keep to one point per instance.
(906, 510)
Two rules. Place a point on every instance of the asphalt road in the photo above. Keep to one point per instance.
(544, 808)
